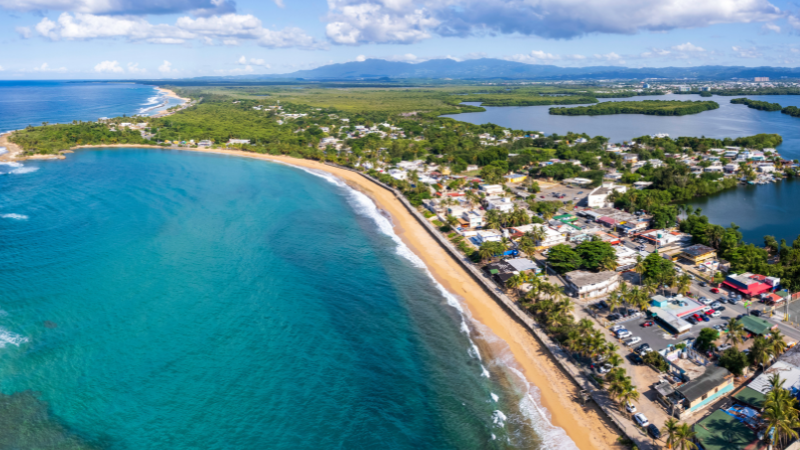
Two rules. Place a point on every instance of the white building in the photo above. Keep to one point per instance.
(642, 184)
(731, 168)
(766, 168)
(501, 204)
(551, 237)
(598, 198)
(475, 218)
(582, 284)
(626, 257)
(483, 236)
(492, 189)
(238, 141)
(398, 174)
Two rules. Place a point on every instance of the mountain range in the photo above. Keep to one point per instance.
(486, 68)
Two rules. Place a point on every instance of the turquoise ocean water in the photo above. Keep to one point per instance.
(160, 299)
(24, 103)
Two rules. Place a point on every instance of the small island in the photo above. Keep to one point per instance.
(647, 107)
(757, 104)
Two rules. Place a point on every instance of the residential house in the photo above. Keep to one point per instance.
(598, 198)
(698, 253)
(398, 174)
(474, 218)
(630, 158)
(483, 236)
(715, 382)
(238, 141)
(731, 168)
(551, 236)
(515, 178)
(502, 204)
(583, 284)
(492, 189)
(642, 184)
(766, 168)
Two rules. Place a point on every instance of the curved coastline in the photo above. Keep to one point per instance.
(554, 390)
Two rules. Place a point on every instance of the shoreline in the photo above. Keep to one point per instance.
(556, 391)
(170, 93)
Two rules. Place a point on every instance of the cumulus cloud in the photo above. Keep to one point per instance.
(252, 62)
(279, 3)
(134, 7)
(767, 27)
(24, 32)
(134, 68)
(108, 67)
(408, 21)
(227, 28)
(46, 68)
(687, 47)
(166, 67)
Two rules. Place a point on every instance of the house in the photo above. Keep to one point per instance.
(626, 257)
(613, 176)
(583, 284)
(205, 143)
(766, 168)
(238, 141)
(483, 236)
(551, 236)
(731, 168)
(577, 182)
(475, 219)
(515, 178)
(698, 253)
(492, 189)
(630, 158)
(398, 174)
(502, 204)
(642, 184)
(715, 382)
(714, 168)
(598, 198)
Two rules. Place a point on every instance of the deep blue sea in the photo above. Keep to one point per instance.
(24, 103)
(156, 299)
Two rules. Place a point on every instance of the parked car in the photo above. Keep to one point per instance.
(642, 348)
(731, 300)
(720, 308)
(723, 347)
(617, 327)
(630, 407)
(714, 305)
(708, 312)
(602, 304)
(705, 301)
(691, 320)
(633, 340)
(755, 312)
(649, 323)
(705, 318)
(641, 420)
(715, 290)
(653, 431)
(715, 314)
(613, 316)
(624, 334)
(604, 369)
(635, 359)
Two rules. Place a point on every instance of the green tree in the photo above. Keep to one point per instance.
(705, 340)
(735, 335)
(562, 258)
(596, 254)
(734, 360)
(684, 438)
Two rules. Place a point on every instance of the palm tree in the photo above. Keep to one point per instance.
(670, 431)
(684, 283)
(639, 267)
(776, 382)
(761, 352)
(538, 234)
(608, 263)
(527, 246)
(684, 438)
(628, 396)
(515, 282)
(735, 334)
(781, 415)
(615, 360)
(776, 342)
(614, 301)
(492, 219)
(714, 234)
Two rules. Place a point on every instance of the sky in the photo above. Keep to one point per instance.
(128, 39)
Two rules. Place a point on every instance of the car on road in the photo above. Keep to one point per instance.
(720, 308)
(715, 290)
(755, 312)
(714, 305)
(633, 340)
(703, 283)
(604, 369)
(653, 431)
(641, 420)
(630, 407)
(649, 323)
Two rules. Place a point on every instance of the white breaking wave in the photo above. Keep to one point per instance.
(553, 438)
(11, 164)
(7, 337)
(495, 397)
(23, 170)
(17, 168)
(14, 216)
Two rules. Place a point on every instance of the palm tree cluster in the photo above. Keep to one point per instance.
(635, 297)
(496, 219)
(679, 435)
(780, 414)
(620, 387)
(765, 349)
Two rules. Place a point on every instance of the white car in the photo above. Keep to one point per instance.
(633, 341)
(615, 328)
(724, 347)
(715, 305)
(645, 351)
(624, 334)
(641, 420)
(605, 368)
(716, 314)
(630, 407)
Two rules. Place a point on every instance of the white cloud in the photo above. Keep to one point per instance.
(767, 27)
(279, 3)
(166, 67)
(134, 68)
(535, 56)
(24, 32)
(108, 67)
(687, 47)
(228, 28)
(361, 58)
(746, 52)
(252, 62)
(135, 7)
(46, 68)
(611, 57)
(408, 21)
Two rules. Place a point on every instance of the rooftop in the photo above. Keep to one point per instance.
(722, 431)
(713, 377)
(698, 250)
(584, 278)
(755, 325)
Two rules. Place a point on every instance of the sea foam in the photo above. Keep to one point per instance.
(14, 216)
(8, 337)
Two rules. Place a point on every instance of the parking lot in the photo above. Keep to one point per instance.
(570, 193)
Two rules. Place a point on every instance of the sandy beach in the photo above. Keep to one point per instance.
(585, 425)
(170, 93)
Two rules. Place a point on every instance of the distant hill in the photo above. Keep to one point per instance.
(373, 69)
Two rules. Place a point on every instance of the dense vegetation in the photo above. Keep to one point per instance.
(756, 104)
(793, 111)
(50, 139)
(647, 107)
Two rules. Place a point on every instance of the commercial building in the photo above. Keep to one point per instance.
(698, 253)
(751, 285)
(515, 178)
(711, 385)
(582, 284)
(670, 312)
(577, 182)
(492, 189)
(757, 325)
(598, 198)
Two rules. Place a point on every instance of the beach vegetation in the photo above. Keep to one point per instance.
(757, 104)
(657, 361)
